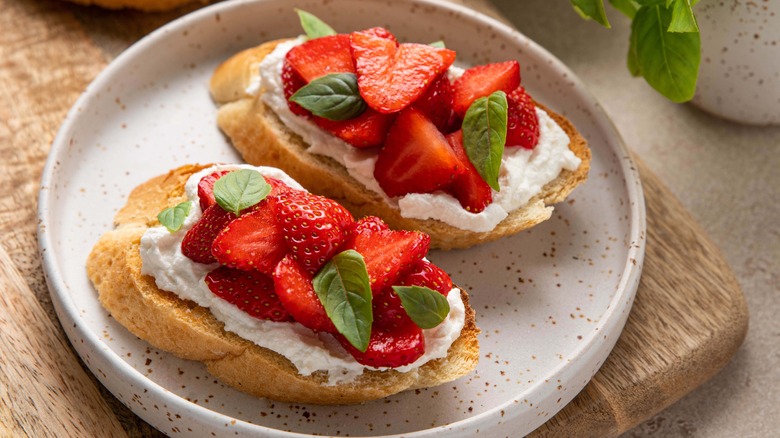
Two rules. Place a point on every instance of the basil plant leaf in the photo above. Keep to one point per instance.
(683, 19)
(484, 135)
(240, 190)
(426, 307)
(343, 289)
(313, 26)
(632, 62)
(334, 97)
(668, 61)
(591, 9)
(173, 218)
(627, 7)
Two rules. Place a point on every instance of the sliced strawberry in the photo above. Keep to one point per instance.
(322, 56)
(368, 223)
(206, 188)
(387, 253)
(292, 82)
(381, 32)
(469, 188)
(416, 157)
(369, 129)
(254, 241)
(196, 244)
(436, 103)
(425, 273)
(522, 122)
(314, 227)
(389, 348)
(295, 291)
(391, 77)
(389, 314)
(483, 80)
(251, 291)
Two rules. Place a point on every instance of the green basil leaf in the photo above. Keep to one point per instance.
(651, 2)
(591, 9)
(334, 97)
(633, 59)
(484, 135)
(172, 218)
(683, 19)
(438, 44)
(313, 26)
(343, 288)
(240, 189)
(426, 307)
(627, 7)
(668, 61)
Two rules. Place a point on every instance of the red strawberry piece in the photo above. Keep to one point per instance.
(294, 288)
(389, 314)
(416, 157)
(314, 227)
(522, 121)
(436, 103)
(206, 188)
(391, 77)
(368, 223)
(321, 56)
(399, 346)
(381, 32)
(387, 253)
(388, 310)
(254, 241)
(251, 291)
(196, 244)
(292, 82)
(469, 188)
(369, 129)
(483, 80)
(425, 273)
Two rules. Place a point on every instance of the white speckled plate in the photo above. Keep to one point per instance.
(551, 302)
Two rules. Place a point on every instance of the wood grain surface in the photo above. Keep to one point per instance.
(688, 319)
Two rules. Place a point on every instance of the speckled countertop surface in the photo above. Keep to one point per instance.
(725, 174)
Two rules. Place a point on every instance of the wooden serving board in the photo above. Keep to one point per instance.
(688, 319)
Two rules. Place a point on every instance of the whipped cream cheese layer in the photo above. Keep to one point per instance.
(308, 351)
(523, 172)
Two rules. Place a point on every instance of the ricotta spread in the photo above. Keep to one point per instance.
(308, 351)
(523, 172)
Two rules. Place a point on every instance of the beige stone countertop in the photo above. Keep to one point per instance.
(725, 173)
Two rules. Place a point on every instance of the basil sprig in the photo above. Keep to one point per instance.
(313, 26)
(335, 97)
(240, 190)
(172, 218)
(484, 135)
(426, 307)
(343, 288)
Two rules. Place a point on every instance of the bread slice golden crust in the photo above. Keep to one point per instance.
(261, 138)
(191, 332)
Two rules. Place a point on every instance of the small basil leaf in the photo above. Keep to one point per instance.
(627, 7)
(343, 288)
(334, 97)
(484, 135)
(426, 307)
(172, 218)
(313, 26)
(668, 61)
(683, 19)
(438, 44)
(240, 190)
(632, 62)
(591, 9)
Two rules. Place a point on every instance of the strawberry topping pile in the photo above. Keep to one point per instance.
(273, 251)
(409, 110)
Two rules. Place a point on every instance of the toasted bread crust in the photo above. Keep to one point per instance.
(191, 332)
(262, 139)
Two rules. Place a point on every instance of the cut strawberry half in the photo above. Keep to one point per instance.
(251, 291)
(321, 56)
(196, 244)
(294, 288)
(387, 253)
(254, 241)
(390, 76)
(416, 157)
(292, 82)
(436, 103)
(367, 130)
(314, 227)
(522, 126)
(471, 190)
(426, 274)
(396, 347)
(483, 80)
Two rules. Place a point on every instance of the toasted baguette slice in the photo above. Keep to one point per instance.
(262, 139)
(191, 332)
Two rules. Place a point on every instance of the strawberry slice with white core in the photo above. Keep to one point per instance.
(483, 80)
(321, 56)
